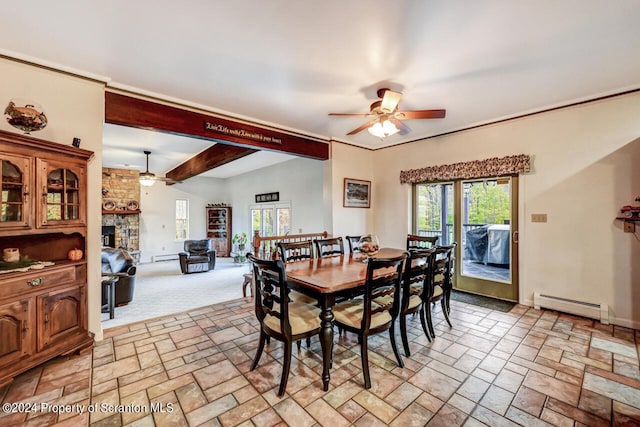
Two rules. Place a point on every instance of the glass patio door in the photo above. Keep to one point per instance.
(487, 252)
(434, 211)
(481, 217)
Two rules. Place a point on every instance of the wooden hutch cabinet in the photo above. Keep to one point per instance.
(219, 229)
(43, 307)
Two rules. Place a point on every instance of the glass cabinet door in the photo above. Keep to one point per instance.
(63, 198)
(14, 208)
(62, 193)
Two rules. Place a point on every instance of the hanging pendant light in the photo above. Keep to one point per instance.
(147, 179)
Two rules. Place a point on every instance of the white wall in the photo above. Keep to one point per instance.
(348, 161)
(299, 181)
(158, 206)
(584, 170)
(74, 108)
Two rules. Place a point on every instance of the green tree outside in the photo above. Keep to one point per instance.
(487, 203)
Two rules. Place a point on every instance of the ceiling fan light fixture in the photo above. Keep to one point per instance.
(383, 128)
(147, 179)
(387, 119)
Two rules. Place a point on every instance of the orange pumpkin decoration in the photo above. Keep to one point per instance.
(75, 254)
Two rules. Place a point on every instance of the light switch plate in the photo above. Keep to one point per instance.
(629, 227)
(538, 217)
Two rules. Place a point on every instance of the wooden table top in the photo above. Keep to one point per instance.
(336, 273)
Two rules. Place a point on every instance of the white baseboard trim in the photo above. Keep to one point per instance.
(164, 257)
(613, 320)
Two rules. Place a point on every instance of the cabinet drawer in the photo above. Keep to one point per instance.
(38, 279)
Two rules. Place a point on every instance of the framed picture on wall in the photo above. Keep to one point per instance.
(357, 193)
(268, 197)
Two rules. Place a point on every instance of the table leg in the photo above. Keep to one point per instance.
(112, 299)
(326, 342)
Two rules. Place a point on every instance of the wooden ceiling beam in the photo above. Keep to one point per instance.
(141, 113)
(212, 157)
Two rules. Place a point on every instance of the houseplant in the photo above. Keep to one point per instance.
(240, 239)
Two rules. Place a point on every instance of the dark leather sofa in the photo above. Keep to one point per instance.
(198, 256)
(120, 262)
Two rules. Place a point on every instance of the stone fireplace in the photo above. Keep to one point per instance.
(120, 209)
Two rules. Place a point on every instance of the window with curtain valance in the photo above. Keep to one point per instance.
(495, 166)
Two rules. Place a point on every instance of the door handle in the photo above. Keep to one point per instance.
(515, 237)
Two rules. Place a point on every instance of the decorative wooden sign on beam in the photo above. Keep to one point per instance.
(242, 133)
(129, 111)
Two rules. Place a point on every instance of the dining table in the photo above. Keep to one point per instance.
(327, 279)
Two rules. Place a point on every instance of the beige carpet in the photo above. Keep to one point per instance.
(161, 289)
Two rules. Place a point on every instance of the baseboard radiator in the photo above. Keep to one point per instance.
(580, 308)
(164, 257)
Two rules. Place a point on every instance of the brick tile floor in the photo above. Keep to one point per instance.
(526, 367)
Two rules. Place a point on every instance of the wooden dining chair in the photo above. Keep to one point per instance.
(296, 251)
(353, 243)
(364, 317)
(441, 284)
(280, 317)
(329, 247)
(416, 278)
(420, 242)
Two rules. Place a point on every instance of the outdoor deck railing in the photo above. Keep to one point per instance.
(448, 236)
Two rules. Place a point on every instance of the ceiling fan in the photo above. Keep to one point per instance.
(147, 179)
(386, 117)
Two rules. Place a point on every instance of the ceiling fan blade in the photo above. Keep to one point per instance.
(421, 114)
(390, 101)
(404, 129)
(153, 177)
(363, 127)
(350, 114)
(168, 180)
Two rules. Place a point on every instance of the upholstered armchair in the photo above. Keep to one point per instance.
(198, 256)
(118, 263)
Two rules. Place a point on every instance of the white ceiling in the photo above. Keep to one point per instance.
(289, 63)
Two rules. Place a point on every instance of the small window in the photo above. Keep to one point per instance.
(182, 219)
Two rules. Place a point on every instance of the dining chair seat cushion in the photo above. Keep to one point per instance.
(414, 299)
(351, 312)
(300, 297)
(437, 292)
(387, 299)
(302, 317)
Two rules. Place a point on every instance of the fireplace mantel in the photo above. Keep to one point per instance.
(136, 212)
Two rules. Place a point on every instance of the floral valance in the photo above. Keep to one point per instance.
(487, 168)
